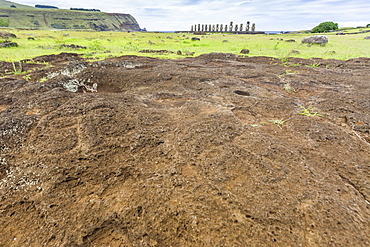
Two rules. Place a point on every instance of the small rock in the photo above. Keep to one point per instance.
(290, 40)
(179, 53)
(8, 44)
(295, 52)
(5, 34)
(190, 53)
(367, 37)
(195, 39)
(244, 51)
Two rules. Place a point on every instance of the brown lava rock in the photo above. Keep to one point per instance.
(136, 151)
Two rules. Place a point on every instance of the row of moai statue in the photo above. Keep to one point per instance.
(222, 28)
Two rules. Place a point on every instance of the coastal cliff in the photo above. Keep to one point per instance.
(67, 19)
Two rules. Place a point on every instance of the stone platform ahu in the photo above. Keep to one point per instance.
(249, 28)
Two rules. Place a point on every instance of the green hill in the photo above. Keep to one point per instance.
(29, 17)
(7, 4)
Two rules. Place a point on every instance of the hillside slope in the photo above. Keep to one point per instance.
(67, 19)
(7, 4)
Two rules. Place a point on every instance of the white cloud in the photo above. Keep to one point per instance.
(280, 15)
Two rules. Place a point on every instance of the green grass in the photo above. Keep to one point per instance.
(101, 45)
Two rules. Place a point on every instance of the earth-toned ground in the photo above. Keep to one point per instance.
(204, 151)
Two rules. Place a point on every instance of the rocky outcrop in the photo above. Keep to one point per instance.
(317, 39)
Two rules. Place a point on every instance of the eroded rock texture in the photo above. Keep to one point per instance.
(206, 151)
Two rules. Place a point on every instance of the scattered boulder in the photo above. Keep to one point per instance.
(5, 34)
(290, 40)
(244, 51)
(31, 38)
(189, 54)
(224, 41)
(155, 51)
(340, 33)
(73, 46)
(179, 53)
(295, 52)
(195, 39)
(367, 37)
(8, 44)
(317, 39)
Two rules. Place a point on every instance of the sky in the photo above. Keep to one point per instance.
(268, 15)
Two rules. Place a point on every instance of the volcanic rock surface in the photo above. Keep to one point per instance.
(216, 150)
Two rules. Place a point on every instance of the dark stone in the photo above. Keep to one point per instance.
(244, 51)
(8, 44)
(367, 37)
(242, 93)
(195, 39)
(290, 40)
(179, 53)
(31, 38)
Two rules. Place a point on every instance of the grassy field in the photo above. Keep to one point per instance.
(101, 45)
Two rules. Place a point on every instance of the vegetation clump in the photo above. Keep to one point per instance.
(325, 27)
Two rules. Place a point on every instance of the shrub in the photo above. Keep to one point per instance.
(368, 25)
(325, 27)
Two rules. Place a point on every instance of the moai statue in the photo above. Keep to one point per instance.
(203, 28)
(236, 28)
(221, 28)
(231, 26)
(247, 26)
(226, 28)
(217, 27)
(198, 28)
(191, 30)
(213, 28)
(253, 27)
(241, 28)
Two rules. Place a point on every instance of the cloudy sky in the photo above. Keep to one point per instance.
(269, 15)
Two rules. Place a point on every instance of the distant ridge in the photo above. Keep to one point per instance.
(23, 16)
(7, 4)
